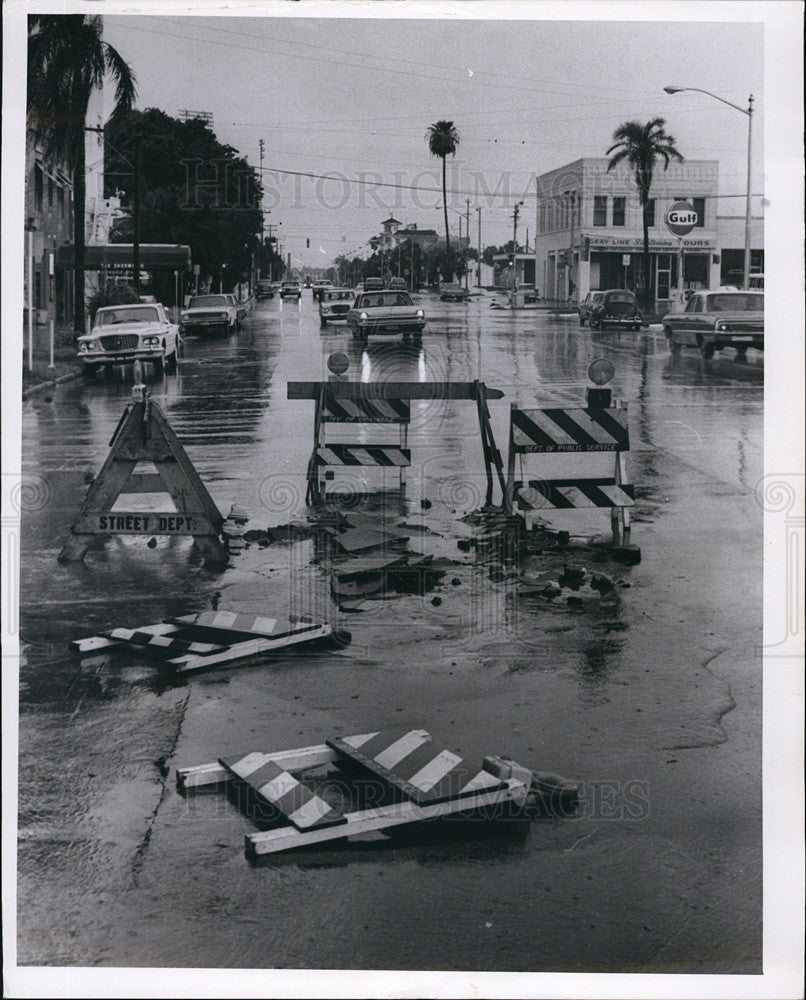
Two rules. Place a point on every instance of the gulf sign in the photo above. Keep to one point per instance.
(681, 218)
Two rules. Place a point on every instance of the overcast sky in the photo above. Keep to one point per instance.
(351, 96)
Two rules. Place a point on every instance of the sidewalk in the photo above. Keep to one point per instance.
(65, 362)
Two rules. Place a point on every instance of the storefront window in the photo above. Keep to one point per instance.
(619, 211)
(600, 210)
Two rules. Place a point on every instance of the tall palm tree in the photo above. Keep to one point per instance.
(642, 146)
(67, 60)
(442, 141)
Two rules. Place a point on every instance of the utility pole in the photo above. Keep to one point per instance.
(262, 217)
(136, 215)
(478, 269)
(467, 227)
(573, 196)
(514, 252)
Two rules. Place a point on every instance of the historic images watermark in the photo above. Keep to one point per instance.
(619, 800)
(781, 497)
(221, 185)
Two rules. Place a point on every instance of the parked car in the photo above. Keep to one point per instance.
(209, 314)
(712, 320)
(290, 290)
(385, 312)
(137, 332)
(398, 285)
(618, 308)
(451, 292)
(318, 287)
(373, 284)
(587, 305)
(241, 309)
(334, 304)
(263, 289)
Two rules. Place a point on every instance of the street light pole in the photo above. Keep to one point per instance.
(747, 216)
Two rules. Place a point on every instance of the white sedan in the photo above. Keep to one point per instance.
(136, 332)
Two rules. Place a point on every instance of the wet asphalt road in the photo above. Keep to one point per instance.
(652, 701)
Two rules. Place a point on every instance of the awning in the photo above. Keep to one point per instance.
(153, 256)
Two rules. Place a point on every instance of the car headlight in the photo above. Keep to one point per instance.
(87, 346)
(151, 341)
(223, 316)
(420, 313)
(363, 317)
(722, 326)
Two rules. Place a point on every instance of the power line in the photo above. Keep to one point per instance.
(334, 62)
(408, 62)
(422, 190)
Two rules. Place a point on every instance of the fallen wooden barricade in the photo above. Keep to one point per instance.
(211, 639)
(423, 781)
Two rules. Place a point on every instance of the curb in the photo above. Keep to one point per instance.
(34, 389)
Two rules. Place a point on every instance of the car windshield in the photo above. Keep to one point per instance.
(382, 300)
(197, 301)
(290, 284)
(334, 296)
(735, 303)
(126, 314)
(621, 297)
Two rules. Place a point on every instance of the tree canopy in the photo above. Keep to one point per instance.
(67, 60)
(443, 138)
(193, 190)
(642, 146)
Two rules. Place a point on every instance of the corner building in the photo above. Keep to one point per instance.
(589, 230)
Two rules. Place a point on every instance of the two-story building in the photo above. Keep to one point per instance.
(589, 231)
(48, 225)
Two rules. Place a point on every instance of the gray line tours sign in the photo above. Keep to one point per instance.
(634, 244)
(681, 218)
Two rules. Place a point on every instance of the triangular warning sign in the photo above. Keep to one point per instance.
(144, 436)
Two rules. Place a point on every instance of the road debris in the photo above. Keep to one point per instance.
(412, 779)
(210, 639)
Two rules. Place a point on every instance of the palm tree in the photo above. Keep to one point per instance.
(442, 140)
(67, 60)
(642, 146)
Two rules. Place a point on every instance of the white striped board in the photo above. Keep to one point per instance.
(161, 643)
(206, 775)
(250, 649)
(363, 821)
(366, 411)
(566, 430)
(292, 797)
(571, 494)
(95, 642)
(384, 455)
(230, 627)
(410, 761)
